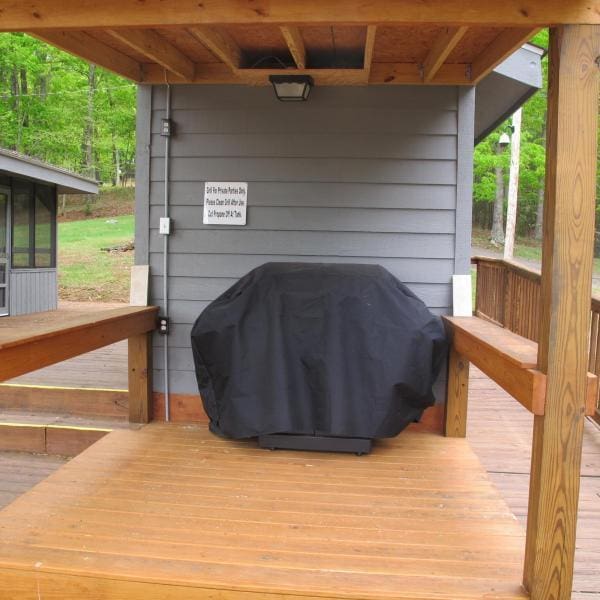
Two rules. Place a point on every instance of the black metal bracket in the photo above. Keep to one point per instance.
(316, 443)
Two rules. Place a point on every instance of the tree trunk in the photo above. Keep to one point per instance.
(498, 219)
(539, 217)
(16, 103)
(24, 93)
(117, 160)
(88, 133)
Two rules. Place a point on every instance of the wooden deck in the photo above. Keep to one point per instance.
(19, 472)
(500, 433)
(171, 507)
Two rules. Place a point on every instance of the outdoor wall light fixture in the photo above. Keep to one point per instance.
(504, 140)
(291, 88)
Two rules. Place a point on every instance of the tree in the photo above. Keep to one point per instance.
(60, 109)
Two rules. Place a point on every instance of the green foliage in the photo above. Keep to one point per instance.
(45, 109)
(533, 155)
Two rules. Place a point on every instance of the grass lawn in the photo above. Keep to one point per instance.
(85, 272)
(525, 248)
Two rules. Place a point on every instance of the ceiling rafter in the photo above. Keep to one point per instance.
(295, 42)
(220, 43)
(501, 47)
(441, 49)
(381, 73)
(368, 52)
(85, 46)
(157, 49)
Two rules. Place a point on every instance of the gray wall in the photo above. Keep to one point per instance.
(372, 175)
(32, 290)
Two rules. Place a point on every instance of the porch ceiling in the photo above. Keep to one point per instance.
(337, 42)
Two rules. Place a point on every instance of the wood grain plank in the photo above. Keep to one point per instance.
(564, 331)
(140, 377)
(455, 423)
(64, 14)
(31, 342)
(174, 505)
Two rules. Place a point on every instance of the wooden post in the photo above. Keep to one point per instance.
(565, 309)
(455, 422)
(140, 378)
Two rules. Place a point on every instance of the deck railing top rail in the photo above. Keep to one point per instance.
(508, 294)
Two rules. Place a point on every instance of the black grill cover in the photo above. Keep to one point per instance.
(324, 349)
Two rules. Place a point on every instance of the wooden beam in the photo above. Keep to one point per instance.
(410, 74)
(221, 44)
(222, 74)
(564, 327)
(74, 401)
(75, 14)
(139, 359)
(381, 73)
(158, 50)
(85, 46)
(441, 49)
(24, 349)
(369, 47)
(455, 420)
(503, 46)
(293, 38)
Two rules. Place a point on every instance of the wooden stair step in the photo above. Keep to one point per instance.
(51, 433)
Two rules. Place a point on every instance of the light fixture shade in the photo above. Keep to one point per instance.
(291, 88)
(504, 140)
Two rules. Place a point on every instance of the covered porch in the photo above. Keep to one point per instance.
(422, 503)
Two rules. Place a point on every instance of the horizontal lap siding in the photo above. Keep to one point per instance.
(362, 175)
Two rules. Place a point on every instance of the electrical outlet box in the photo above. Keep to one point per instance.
(166, 127)
(163, 325)
(164, 227)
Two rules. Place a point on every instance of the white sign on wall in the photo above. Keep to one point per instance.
(225, 202)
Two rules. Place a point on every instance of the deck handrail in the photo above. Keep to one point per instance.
(508, 294)
(32, 342)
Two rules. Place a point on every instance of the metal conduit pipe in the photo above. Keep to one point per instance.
(166, 258)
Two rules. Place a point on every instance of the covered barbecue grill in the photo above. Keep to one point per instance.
(326, 350)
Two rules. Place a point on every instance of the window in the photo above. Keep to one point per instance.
(34, 225)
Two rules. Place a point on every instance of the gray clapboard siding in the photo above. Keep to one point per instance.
(355, 170)
(333, 195)
(306, 119)
(207, 289)
(315, 145)
(186, 311)
(363, 175)
(32, 290)
(291, 218)
(416, 270)
(180, 382)
(337, 98)
(308, 243)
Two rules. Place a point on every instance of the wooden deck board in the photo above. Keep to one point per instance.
(500, 433)
(19, 472)
(172, 507)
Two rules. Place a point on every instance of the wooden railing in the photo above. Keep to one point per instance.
(31, 342)
(509, 295)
